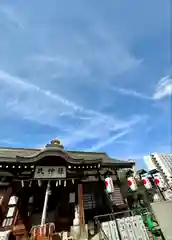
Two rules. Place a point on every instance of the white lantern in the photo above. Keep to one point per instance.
(158, 179)
(109, 185)
(132, 183)
(147, 182)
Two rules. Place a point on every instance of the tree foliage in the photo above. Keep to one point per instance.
(139, 198)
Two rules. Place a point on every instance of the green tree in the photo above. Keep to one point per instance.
(136, 199)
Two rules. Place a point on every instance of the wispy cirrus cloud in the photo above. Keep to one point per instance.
(162, 90)
(110, 140)
(59, 64)
(131, 92)
(65, 103)
(61, 75)
(29, 101)
(12, 16)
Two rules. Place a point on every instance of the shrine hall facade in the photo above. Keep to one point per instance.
(45, 185)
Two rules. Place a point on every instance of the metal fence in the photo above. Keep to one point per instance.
(138, 224)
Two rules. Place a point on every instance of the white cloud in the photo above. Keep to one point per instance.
(109, 140)
(12, 16)
(163, 88)
(101, 127)
(59, 61)
(65, 64)
(130, 92)
(29, 101)
(19, 85)
(60, 66)
(122, 128)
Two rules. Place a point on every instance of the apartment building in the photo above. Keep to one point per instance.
(162, 162)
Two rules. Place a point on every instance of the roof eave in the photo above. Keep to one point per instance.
(118, 164)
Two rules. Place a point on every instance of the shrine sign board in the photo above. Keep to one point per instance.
(47, 172)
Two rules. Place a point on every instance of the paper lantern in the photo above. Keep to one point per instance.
(132, 183)
(158, 179)
(109, 185)
(147, 182)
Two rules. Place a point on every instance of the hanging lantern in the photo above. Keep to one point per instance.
(109, 184)
(158, 179)
(147, 182)
(132, 183)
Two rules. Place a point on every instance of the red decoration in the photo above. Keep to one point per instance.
(130, 182)
(156, 180)
(144, 182)
(106, 183)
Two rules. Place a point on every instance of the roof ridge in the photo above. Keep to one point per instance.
(75, 151)
(21, 149)
(37, 149)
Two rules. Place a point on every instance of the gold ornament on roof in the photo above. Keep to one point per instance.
(55, 142)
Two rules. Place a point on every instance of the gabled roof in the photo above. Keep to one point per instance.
(31, 155)
(13, 152)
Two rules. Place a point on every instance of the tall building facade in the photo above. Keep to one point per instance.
(161, 162)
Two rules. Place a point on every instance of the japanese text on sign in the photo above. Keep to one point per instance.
(50, 172)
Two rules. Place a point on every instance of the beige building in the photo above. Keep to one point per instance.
(161, 162)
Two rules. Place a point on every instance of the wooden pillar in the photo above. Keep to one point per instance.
(81, 208)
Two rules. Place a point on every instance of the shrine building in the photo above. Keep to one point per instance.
(53, 185)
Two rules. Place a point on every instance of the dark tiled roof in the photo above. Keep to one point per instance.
(12, 153)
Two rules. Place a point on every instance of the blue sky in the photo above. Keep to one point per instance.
(95, 74)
